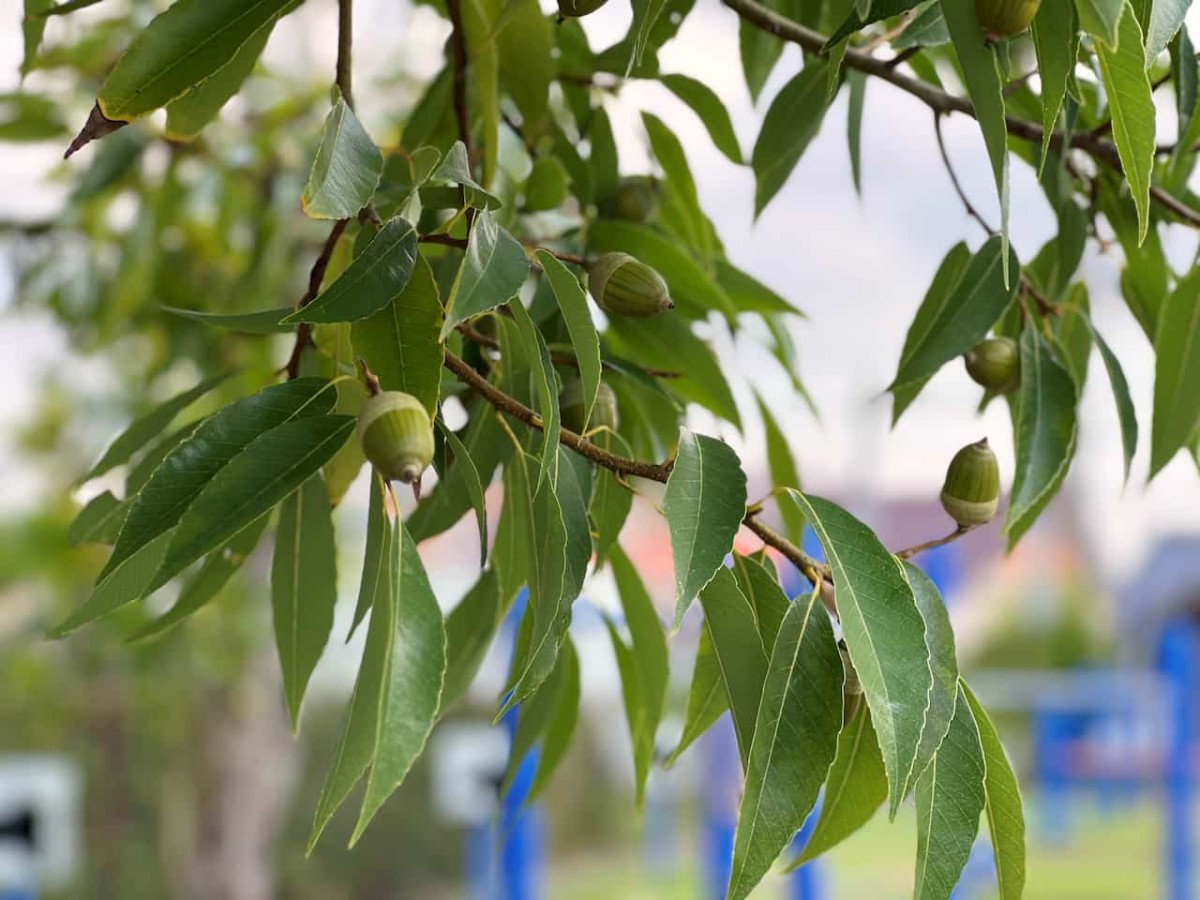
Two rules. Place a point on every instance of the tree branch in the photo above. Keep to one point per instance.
(315, 276)
(458, 43)
(345, 50)
(940, 101)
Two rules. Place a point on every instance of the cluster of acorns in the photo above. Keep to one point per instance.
(395, 430)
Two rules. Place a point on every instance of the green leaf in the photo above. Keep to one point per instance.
(1125, 411)
(1005, 818)
(644, 705)
(645, 14)
(940, 333)
(943, 662)
(1131, 105)
(188, 115)
(572, 302)
(1165, 19)
(707, 699)
(795, 741)
(704, 504)
(378, 273)
(492, 272)
(1100, 18)
(681, 210)
(950, 798)
(207, 582)
(712, 112)
(479, 21)
(526, 48)
(1176, 373)
(857, 786)
(981, 72)
(1184, 76)
(346, 169)
(303, 587)
(749, 294)
(791, 122)
(783, 473)
(99, 521)
(1045, 434)
(1072, 336)
(884, 633)
(933, 307)
(1056, 39)
(603, 162)
(268, 321)
(759, 51)
(33, 28)
(457, 168)
(373, 570)
(876, 12)
(760, 585)
(181, 47)
(401, 342)
(474, 487)
(611, 500)
(738, 649)
(545, 384)
(470, 628)
(537, 711)
(854, 117)
(561, 725)
(148, 427)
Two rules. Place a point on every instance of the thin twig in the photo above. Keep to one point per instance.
(315, 276)
(958, 188)
(458, 44)
(345, 50)
(910, 552)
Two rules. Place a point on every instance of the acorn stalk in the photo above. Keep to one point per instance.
(624, 286)
(971, 494)
(396, 435)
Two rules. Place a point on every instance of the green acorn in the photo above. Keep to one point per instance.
(971, 493)
(573, 9)
(571, 406)
(1004, 18)
(396, 435)
(995, 364)
(624, 286)
(546, 186)
(636, 199)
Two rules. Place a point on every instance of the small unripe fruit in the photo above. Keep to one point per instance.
(571, 407)
(396, 435)
(573, 9)
(1004, 18)
(636, 199)
(624, 286)
(995, 364)
(971, 493)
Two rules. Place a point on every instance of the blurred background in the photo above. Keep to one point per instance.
(167, 768)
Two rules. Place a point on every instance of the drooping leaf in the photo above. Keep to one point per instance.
(303, 587)
(479, 22)
(456, 167)
(950, 798)
(561, 725)
(1176, 373)
(346, 169)
(493, 269)
(712, 112)
(33, 28)
(854, 117)
(857, 786)
(545, 385)
(749, 294)
(526, 49)
(474, 486)
(611, 500)
(1100, 18)
(1127, 86)
(99, 521)
(943, 662)
(645, 14)
(1005, 818)
(1056, 39)
(536, 712)
(1045, 434)
(1162, 22)
(738, 650)
(144, 429)
(1125, 411)
(268, 321)
(378, 274)
(681, 211)
(707, 699)
(373, 569)
(791, 122)
(783, 473)
(884, 633)
(470, 629)
(795, 741)
(401, 343)
(704, 504)
(939, 334)
(760, 585)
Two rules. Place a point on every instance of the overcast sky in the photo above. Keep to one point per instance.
(858, 268)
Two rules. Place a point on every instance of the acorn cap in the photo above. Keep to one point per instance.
(624, 286)
(1004, 18)
(396, 435)
(571, 406)
(995, 364)
(971, 494)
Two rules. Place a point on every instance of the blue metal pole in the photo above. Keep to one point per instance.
(809, 881)
(1178, 661)
(521, 830)
(1051, 729)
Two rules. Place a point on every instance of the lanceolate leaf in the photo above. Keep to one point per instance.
(99, 521)
(712, 112)
(857, 786)
(1099, 18)
(1131, 105)
(791, 122)
(704, 505)
(373, 569)
(479, 22)
(854, 117)
(492, 271)
(457, 168)
(795, 740)
(649, 660)
(950, 798)
(611, 500)
(1005, 818)
(1165, 19)
(346, 169)
(1125, 411)
(981, 70)
(1046, 432)
(739, 652)
(1056, 39)
(545, 383)
(563, 718)
(470, 628)
(783, 473)
(180, 48)
(536, 712)
(268, 321)
(943, 330)
(1176, 373)
(148, 427)
(681, 211)
(761, 587)
(303, 587)
(377, 275)
(707, 699)
(474, 486)
(943, 662)
(527, 63)
(573, 304)
(401, 342)
(884, 632)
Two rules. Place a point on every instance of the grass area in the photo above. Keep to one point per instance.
(1110, 855)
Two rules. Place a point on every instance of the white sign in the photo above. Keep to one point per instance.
(39, 821)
